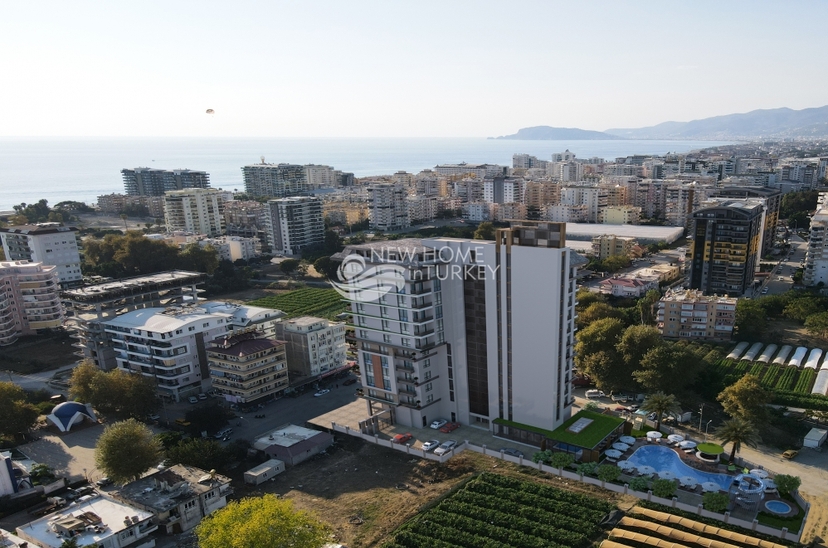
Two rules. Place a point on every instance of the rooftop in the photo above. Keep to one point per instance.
(168, 488)
(693, 295)
(643, 233)
(107, 515)
(40, 228)
(241, 345)
(134, 285)
(165, 320)
(285, 436)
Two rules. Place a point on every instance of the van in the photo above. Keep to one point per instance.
(594, 394)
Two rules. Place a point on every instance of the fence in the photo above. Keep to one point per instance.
(624, 489)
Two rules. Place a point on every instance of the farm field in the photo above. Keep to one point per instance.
(495, 511)
(325, 303)
(772, 376)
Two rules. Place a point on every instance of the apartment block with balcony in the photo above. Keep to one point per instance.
(816, 256)
(478, 332)
(274, 180)
(295, 224)
(726, 244)
(315, 346)
(145, 181)
(609, 245)
(196, 210)
(388, 206)
(689, 314)
(29, 299)
(246, 369)
(90, 306)
(170, 344)
(46, 243)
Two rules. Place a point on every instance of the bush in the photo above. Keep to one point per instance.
(608, 472)
(715, 502)
(587, 468)
(664, 488)
(786, 484)
(639, 484)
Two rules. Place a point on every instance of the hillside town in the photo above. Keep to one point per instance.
(646, 328)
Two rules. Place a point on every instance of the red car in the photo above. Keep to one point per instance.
(450, 427)
(402, 438)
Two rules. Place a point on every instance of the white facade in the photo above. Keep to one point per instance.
(388, 206)
(320, 176)
(199, 210)
(503, 191)
(560, 213)
(422, 208)
(315, 346)
(594, 198)
(444, 346)
(816, 258)
(295, 223)
(476, 211)
(233, 248)
(47, 243)
(169, 344)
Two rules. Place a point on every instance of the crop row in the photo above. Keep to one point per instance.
(786, 381)
(535, 501)
(805, 382)
(308, 301)
(546, 491)
(769, 380)
(742, 366)
(505, 534)
(757, 369)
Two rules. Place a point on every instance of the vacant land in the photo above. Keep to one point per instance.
(365, 492)
(37, 353)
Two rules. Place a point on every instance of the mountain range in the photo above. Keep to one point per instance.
(758, 124)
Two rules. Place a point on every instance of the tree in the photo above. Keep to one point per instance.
(639, 484)
(786, 484)
(746, 399)
(485, 231)
(198, 258)
(41, 474)
(646, 306)
(261, 522)
(80, 383)
(715, 502)
(202, 453)
(169, 439)
(800, 309)
(18, 415)
(737, 431)
(636, 341)
(208, 417)
(561, 460)
(326, 267)
(672, 367)
(608, 472)
(289, 266)
(116, 392)
(600, 336)
(585, 297)
(594, 312)
(750, 319)
(127, 449)
(664, 488)
(660, 404)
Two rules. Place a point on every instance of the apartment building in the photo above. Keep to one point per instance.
(526, 161)
(564, 213)
(593, 198)
(620, 215)
(689, 314)
(502, 190)
(274, 180)
(478, 170)
(320, 176)
(540, 194)
(115, 204)
(29, 299)
(246, 369)
(247, 219)
(295, 223)
(196, 210)
(816, 257)
(726, 243)
(315, 346)
(50, 244)
(145, 181)
(89, 306)
(388, 206)
(170, 344)
(476, 212)
(421, 209)
(511, 211)
(478, 332)
(234, 248)
(609, 245)
(771, 200)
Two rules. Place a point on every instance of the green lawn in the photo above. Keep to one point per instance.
(588, 438)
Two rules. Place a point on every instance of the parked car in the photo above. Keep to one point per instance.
(202, 396)
(192, 399)
(511, 451)
(790, 454)
(350, 381)
(103, 482)
(439, 423)
(223, 433)
(619, 398)
(321, 392)
(445, 447)
(402, 438)
(153, 418)
(450, 427)
(431, 445)
(594, 394)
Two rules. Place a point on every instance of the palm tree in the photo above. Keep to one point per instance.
(737, 431)
(660, 404)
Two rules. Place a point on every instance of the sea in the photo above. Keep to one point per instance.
(81, 169)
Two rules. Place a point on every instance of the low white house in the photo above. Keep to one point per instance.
(265, 471)
(628, 287)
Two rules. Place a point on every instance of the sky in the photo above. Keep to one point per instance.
(399, 69)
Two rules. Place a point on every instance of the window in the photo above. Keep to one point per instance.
(427, 375)
(406, 341)
(429, 387)
(190, 504)
(430, 398)
(363, 334)
(386, 325)
(403, 315)
(386, 338)
(386, 384)
(426, 363)
(207, 324)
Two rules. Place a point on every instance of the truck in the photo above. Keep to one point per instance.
(594, 394)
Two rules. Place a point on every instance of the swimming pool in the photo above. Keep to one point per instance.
(663, 458)
(778, 507)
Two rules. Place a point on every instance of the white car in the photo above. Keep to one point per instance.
(445, 447)
(431, 445)
(192, 399)
(321, 393)
(439, 423)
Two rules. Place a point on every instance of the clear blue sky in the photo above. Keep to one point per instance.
(390, 68)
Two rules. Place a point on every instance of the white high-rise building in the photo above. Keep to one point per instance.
(816, 258)
(48, 243)
(594, 198)
(315, 346)
(388, 206)
(197, 210)
(320, 176)
(477, 332)
(295, 224)
(499, 190)
(29, 299)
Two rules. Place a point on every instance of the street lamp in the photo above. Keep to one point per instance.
(706, 428)
(701, 414)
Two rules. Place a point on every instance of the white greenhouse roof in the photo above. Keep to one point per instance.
(643, 233)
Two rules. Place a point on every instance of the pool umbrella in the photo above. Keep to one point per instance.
(769, 484)
(620, 446)
(624, 464)
(646, 470)
(612, 453)
(654, 435)
(687, 444)
(675, 438)
(688, 481)
(666, 474)
(711, 486)
(759, 473)
(629, 440)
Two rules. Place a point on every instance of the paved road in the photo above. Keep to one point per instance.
(786, 267)
(37, 381)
